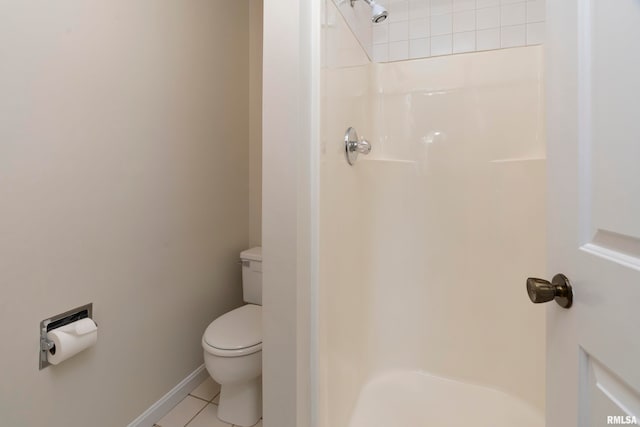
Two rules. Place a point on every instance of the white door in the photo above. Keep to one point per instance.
(593, 125)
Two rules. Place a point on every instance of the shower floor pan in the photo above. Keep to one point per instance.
(416, 399)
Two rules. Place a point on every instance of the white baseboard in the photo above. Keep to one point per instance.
(171, 399)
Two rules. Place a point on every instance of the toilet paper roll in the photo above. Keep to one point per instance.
(71, 339)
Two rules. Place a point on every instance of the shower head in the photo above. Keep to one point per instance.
(378, 13)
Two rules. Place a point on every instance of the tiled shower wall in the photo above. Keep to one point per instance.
(424, 28)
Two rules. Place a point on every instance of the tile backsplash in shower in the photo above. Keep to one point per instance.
(424, 28)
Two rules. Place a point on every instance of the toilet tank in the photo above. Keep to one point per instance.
(252, 275)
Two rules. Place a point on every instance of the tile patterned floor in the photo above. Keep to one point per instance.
(198, 409)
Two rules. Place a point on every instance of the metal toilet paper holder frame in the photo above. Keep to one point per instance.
(58, 321)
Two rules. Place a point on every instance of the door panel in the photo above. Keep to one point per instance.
(593, 136)
(613, 84)
(608, 395)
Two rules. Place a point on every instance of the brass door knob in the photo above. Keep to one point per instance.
(559, 289)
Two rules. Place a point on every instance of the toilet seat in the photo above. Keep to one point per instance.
(236, 333)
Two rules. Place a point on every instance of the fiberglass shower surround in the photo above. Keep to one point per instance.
(435, 214)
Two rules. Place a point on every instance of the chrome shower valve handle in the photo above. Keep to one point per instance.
(354, 145)
(362, 146)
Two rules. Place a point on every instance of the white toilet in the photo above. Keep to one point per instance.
(233, 349)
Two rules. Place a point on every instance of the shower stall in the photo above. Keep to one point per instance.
(426, 242)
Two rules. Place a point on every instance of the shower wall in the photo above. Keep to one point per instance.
(455, 219)
(426, 243)
(424, 28)
(343, 304)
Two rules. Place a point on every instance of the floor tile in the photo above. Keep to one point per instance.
(208, 418)
(216, 400)
(183, 412)
(207, 390)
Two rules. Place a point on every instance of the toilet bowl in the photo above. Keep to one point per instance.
(233, 350)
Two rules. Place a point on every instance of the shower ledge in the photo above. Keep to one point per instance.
(519, 159)
(417, 399)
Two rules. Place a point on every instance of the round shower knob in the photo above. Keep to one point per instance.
(559, 289)
(354, 145)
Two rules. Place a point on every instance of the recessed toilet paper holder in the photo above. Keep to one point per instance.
(58, 321)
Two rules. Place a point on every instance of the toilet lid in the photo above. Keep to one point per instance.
(237, 329)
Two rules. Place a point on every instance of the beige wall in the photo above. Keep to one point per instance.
(123, 181)
(255, 123)
(287, 169)
(279, 235)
